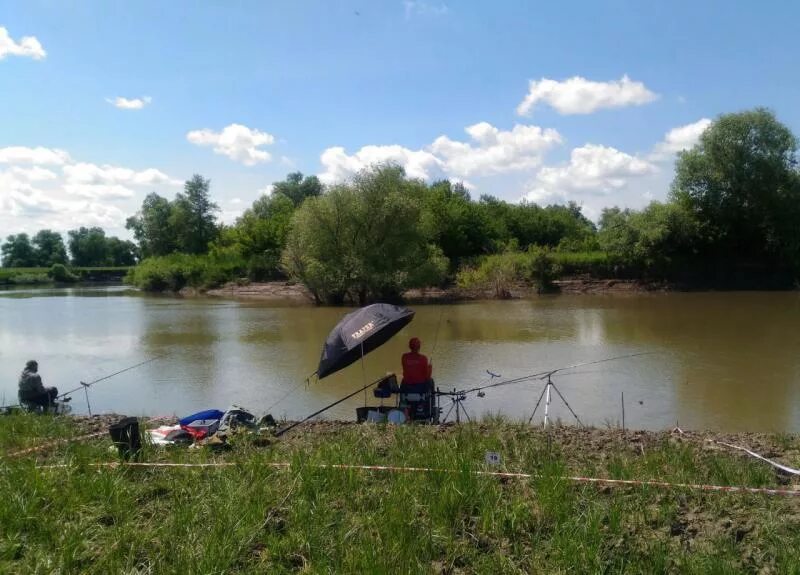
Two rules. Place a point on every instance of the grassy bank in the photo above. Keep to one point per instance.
(43, 276)
(252, 518)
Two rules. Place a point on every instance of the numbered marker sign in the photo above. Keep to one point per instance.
(492, 458)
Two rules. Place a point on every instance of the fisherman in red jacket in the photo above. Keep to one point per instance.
(416, 369)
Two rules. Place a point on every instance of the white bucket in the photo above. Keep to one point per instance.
(374, 416)
(396, 417)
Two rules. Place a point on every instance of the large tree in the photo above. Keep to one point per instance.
(194, 216)
(18, 252)
(152, 227)
(363, 240)
(741, 183)
(121, 252)
(454, 222)
(88, 247)
(297, 188)
(50, 248)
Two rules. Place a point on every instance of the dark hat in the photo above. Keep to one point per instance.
(31, 364)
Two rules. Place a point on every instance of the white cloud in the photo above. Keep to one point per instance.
(130, 104)
(267, 190)
(340, 166)
(489, 151)
(420, 8)
(84, 173)
(237, 142)
(592, 170)
(99, 191)
(494, 151)
(79, 194)
(34, 174)
(27, 46)
(679, 139)
(578, 95)
(38, 155)
(24, 207)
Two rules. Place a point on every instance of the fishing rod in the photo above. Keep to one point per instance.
(292, 389)
(86, 385)
(327, 407)
(551, 372)
(436, 336)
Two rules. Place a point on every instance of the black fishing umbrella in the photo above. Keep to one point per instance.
(359, 333)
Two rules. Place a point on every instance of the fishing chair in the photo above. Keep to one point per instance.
(419, 402)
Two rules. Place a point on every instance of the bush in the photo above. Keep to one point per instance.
(61, 274)
(542, 268)
(176, 271)
(29, 279)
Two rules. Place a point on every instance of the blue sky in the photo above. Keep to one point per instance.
(244, 92)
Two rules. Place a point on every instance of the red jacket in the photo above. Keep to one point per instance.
(416, 368)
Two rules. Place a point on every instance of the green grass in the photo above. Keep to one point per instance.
(253, 518)
(37, 276)
(72, 268)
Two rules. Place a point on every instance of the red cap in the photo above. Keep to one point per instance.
(414, 344)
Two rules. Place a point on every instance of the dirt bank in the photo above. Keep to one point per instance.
(283, 291)
(292, 292)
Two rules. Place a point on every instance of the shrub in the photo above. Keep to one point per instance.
(176, 271)
(61, 274)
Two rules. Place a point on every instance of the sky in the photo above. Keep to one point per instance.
(104, 102)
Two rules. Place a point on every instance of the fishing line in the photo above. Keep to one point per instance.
(544, 374)
(294, 388)
(91, 383)
(436, 336)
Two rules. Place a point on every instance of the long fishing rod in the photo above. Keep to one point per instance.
(85, 385)
(327, 407)
(436, 336)
(550, 372)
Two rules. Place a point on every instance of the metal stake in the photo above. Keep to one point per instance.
(547, 401)
(86, 391)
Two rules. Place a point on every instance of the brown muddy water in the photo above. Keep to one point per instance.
(723, 361)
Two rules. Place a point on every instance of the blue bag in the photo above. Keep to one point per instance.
(207, 414)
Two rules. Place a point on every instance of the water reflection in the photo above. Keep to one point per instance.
(726, 361)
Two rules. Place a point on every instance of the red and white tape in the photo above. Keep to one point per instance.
(500, 474)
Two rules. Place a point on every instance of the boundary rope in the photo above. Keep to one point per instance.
(499, 474)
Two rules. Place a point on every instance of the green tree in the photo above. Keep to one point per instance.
(297, 188)
(363, 240)
(50, 248)
(531, 224)
(259, 236)
(18, 252)
(121, 252)
(659, 241)
(152, 227)
(454, 222)
(741, 183)
(88, 247)
(193, 216)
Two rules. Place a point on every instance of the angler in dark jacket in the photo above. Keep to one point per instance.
(31, 391)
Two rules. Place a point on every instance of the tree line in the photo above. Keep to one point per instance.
(88, 247)
(732, 219)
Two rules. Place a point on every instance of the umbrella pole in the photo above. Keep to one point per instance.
(363, 373)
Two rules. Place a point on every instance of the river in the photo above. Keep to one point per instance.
(722, 361)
